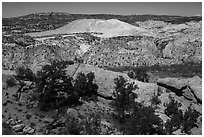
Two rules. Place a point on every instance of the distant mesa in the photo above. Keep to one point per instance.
(100, 28)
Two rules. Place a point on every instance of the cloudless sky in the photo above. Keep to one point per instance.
(12, 9)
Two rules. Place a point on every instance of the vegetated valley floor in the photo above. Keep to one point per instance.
(185, 70)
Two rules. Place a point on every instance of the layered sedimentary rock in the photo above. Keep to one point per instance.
(172, 44)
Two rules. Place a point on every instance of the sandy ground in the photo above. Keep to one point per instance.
(31, 116)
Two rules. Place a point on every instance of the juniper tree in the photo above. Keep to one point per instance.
(84, 85)
(179, 120)
(54, 86)
(143, 121)
(23, 74)
(124, 97)
(139, 74)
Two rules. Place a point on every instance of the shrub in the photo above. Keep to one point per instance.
(155, 100)
(189, 119)
(10, 82)
(124, 97)
(174, 123)
(143, 121)
(85, 125)
(172, 107)
(23, 41)
(139, 74)
(131, 74)
(73, 126)
(6, 129)
(28, 116)
(174, 114)
(92, 125)
(54, 87)
(135, 117)
(178, 120)
(32, 124)
(84, 85)
(24, 73)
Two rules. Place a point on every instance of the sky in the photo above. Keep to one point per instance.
(13, 9)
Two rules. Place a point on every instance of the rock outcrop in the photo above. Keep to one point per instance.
(189, 88)
(196, 88)
(179, 89)
(19, 127)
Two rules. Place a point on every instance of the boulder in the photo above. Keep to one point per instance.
(162, 116)
(72, 112)
(104, 78)
(172, 82)
(11, 122)
(178, 132)
(31, 131)
(189, 95)
(145, 92)
(18, 128)
(196, 131)
(54, 132)
(19, 121)
(26, 129)
(195, 84)
(164, 98)
(47, 120)
(197, 107)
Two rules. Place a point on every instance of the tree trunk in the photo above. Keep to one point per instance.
(19, 91)
(75, 70)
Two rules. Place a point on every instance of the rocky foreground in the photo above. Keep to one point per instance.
(188, 92)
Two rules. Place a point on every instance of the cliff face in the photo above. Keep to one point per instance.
(174, 44)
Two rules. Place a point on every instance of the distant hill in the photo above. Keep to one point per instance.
(102, 28)
(121, 43)
(49, 21)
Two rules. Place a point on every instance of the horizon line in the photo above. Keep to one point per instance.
(104, 14)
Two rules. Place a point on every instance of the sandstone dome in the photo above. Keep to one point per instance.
(101, 28)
